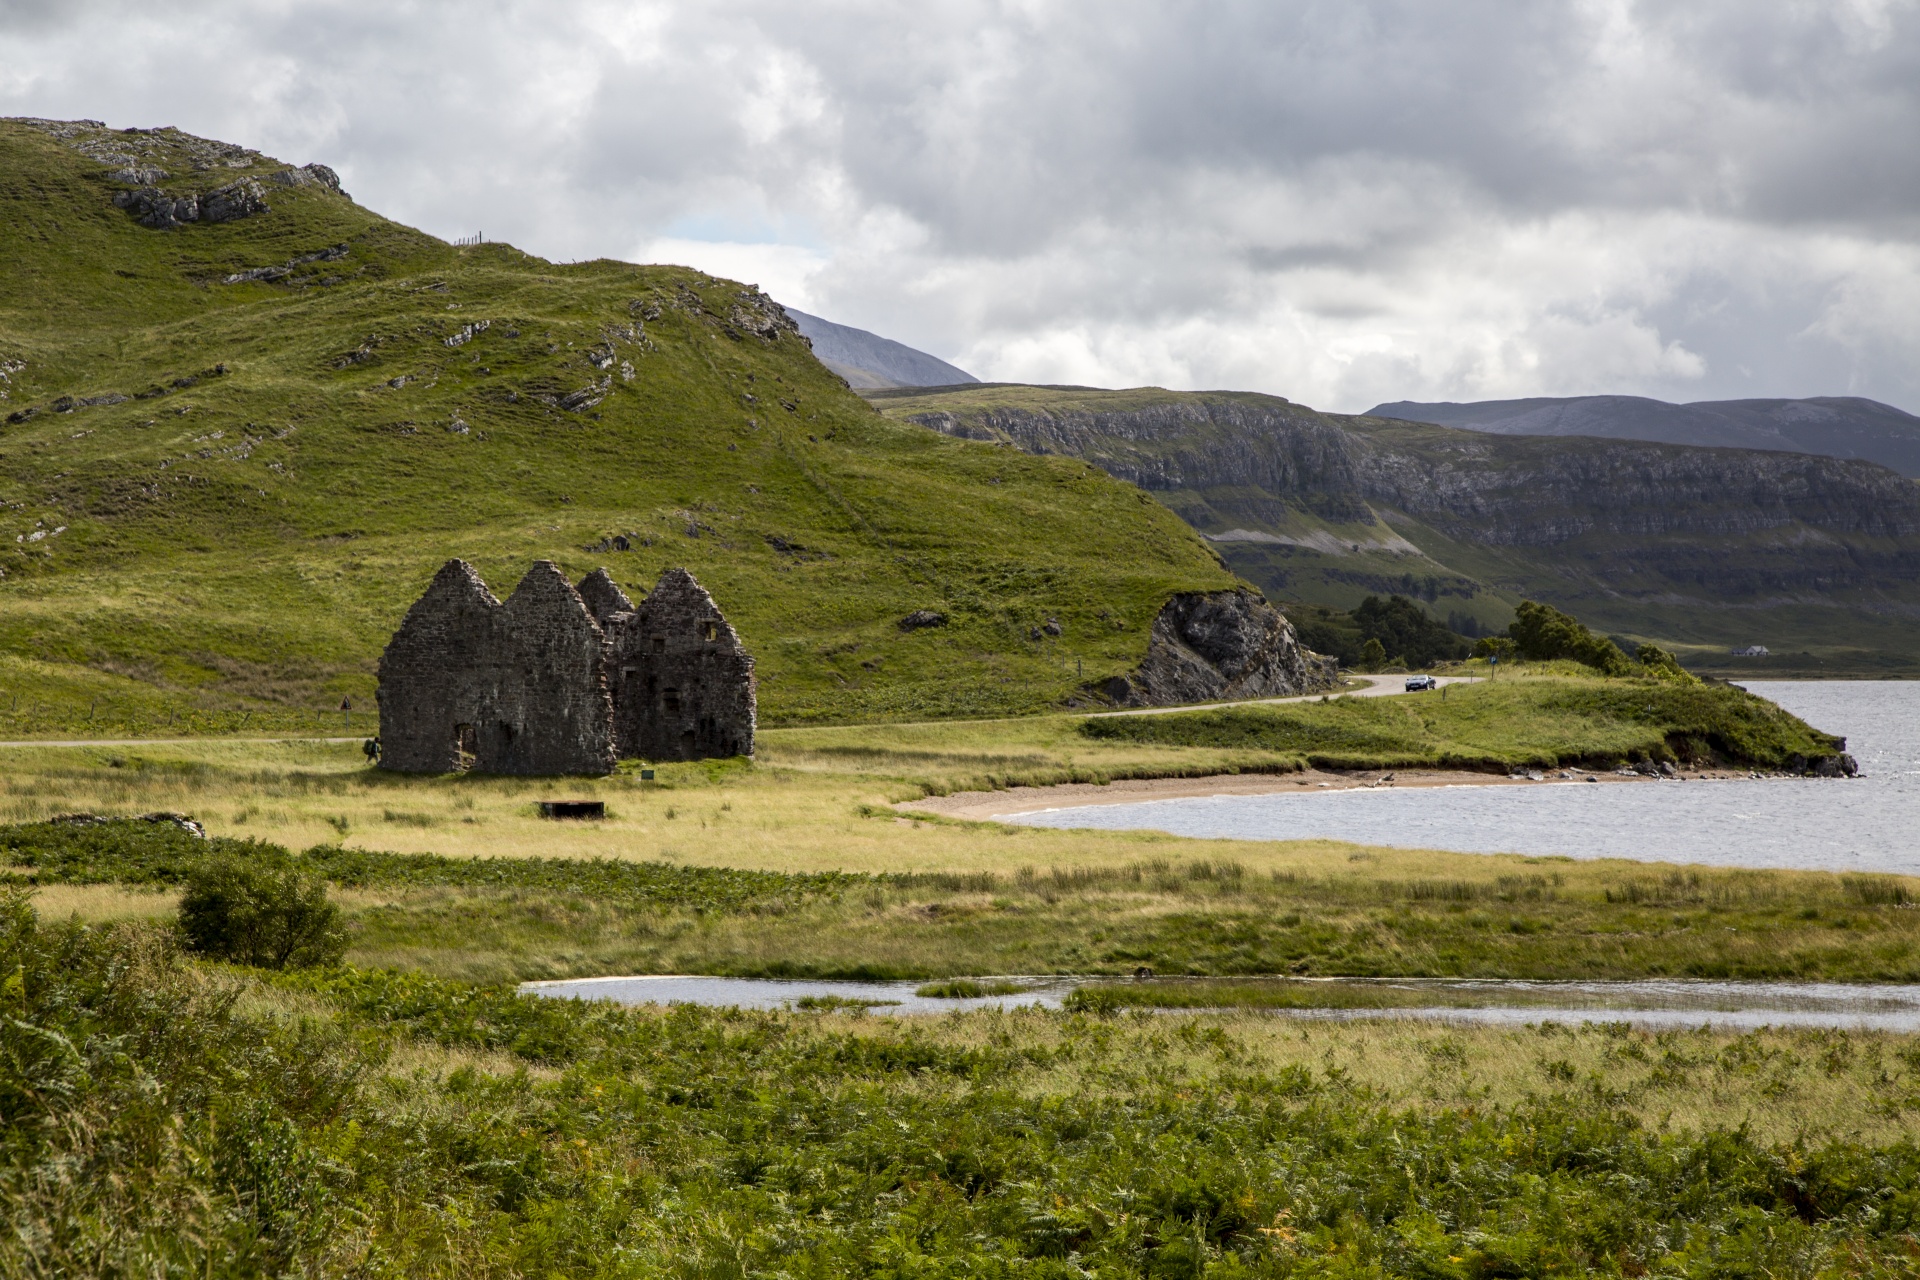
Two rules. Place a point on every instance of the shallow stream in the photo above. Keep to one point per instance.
(1739, 1005)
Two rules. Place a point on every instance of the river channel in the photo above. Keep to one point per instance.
(1655, 1003)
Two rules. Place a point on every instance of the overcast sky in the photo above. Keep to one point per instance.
(1341, 202)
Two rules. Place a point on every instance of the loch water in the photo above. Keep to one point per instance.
(1865, 824)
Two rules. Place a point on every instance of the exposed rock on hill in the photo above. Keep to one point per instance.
(163, 211)
(1221, 645)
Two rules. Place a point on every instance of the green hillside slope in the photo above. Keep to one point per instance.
(1698, 549)
(235, 451)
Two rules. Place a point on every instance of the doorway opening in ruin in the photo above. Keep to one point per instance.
(466, 746)
(686, 745)
(671, 703)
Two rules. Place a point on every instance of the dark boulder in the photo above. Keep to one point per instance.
(1220, 645)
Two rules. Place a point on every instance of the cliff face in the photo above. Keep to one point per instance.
(1633, 516)
(1818, 558)
(1196, 442)
(1519, 491)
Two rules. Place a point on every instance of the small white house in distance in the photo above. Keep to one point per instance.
(1751, 651)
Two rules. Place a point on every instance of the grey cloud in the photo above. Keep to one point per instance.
(1344, 200)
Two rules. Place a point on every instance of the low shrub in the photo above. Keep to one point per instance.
(271, 917)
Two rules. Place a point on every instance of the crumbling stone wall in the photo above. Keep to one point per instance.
(517, 688)
(682, 683)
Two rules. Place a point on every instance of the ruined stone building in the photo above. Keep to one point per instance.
(561, 680)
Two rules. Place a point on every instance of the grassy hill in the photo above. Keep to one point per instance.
(235, 451)
(1698, 549)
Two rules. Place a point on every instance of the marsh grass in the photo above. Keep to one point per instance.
(968, 989)
(774, 869)
(367, 1121)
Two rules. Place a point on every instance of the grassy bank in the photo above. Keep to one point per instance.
(366, 1123)
(1544, 721)
(1312, 908)
(797, 865)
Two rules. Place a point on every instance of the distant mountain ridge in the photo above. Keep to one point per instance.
(1833, 426)
(871, 362)
(1704, 549)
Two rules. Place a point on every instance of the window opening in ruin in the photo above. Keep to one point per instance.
(672, 703)
(627, 673)
(466, 746)
(659, 644)
(712, 630)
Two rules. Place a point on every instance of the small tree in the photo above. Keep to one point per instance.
(1373, 656)
(1494, 647)
(1542, 633)
(272, 917)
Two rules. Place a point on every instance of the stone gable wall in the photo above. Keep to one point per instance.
(683, 685)
(514, 688)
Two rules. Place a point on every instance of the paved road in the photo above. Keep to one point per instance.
(1376, 687)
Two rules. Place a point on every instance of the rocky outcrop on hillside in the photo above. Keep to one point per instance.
(163, 211)
(144, 158)
(1220, 646)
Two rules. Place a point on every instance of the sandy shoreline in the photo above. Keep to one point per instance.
(986, 805)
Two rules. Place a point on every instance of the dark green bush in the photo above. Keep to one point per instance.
(1542, 633)
(1408, 632)
(1662, 664)
(265, 915)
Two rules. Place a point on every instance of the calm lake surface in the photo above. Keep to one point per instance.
(1870, 823)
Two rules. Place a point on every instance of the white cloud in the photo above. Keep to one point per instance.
(1341, 203)
(782, 270)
